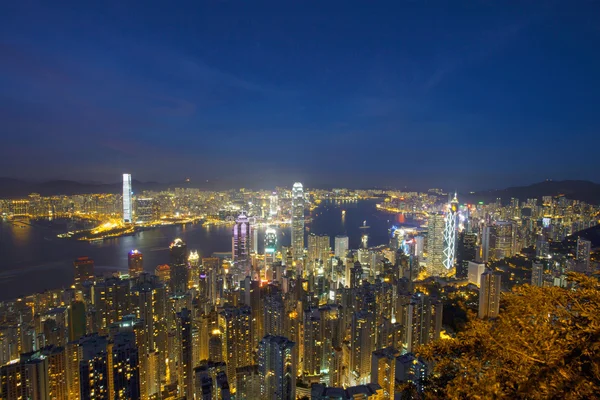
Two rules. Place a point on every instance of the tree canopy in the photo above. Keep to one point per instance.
(545, 344)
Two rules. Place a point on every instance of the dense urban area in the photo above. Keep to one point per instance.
(315, 319)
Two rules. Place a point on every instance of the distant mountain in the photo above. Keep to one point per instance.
(13, 188)
(573, 189)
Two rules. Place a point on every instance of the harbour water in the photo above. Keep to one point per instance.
(33, 259)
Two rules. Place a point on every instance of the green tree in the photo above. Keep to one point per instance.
(544, 345)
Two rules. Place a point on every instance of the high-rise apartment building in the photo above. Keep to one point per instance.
(362, 342)
(235, 325)
(489, 295)
(276, 367)
(125, 366)
(583, 255)
(297, 221)
(319, 247)
(127, 199)
(383, 370)
(25, 379)
(422, 321)
(185, 363)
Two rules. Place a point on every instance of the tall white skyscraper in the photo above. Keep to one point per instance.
(241, 239)
(450, 234)
(297, 221)
(273, 204)
(127, 203)
(341, 246)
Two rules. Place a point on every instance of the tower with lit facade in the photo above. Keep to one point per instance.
(127, 201)
(135, 261)
(273, 204)
(450, 229)
(240, 241)
(298, 221)
(489, 294)
(435, 243)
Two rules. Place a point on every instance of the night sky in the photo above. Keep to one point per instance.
(467, 94)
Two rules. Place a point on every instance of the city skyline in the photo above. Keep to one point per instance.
(404, 84)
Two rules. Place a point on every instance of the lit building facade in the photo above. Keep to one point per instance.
(135, 261)
(297, 221)
(277, 368)
(127, 199)
(435, 244)
(489, 295)
(450, 229)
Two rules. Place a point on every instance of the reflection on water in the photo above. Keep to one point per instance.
(33, 259)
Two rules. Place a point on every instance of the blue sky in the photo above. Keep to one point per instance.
(473, 94)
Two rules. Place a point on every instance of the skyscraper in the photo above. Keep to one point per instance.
(125, 365)
(84, 270)
(489, 295)
(179, 270)
(422, 321)
(25, 379)
(273, 205)
(94, 368)
(362, 346)
(135, 261)
(270, 240)
(297, 221)
(435, 244)
(185, 364)
(241, 241)
(235, 324)
(466, 251)
(127, 203)
(319, 247)
(277, 368)
(450, 229)
(341, 246)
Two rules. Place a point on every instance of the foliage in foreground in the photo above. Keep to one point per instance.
(544, 345)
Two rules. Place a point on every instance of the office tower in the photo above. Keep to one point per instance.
(422, 321)
(297, 221)
(194, 270)
(270, 240)
(146, 210)
(127, 203)
(318, 248)
(362, 345)
(25, 379)
(435, 244)
(235, 324)
(537, 274)
(179, 268)
(474, 272)
(450, 230)
(77, 320)
(212, 267)
(240, 251)
(185, 364)
(583, 255)
(125, 365)
(135, 261)
(383, 370)
(94, 368)
(419, 246)
(248, 383)
(466, 251)
(273, 204)
(313, 343)
(112, 302)
(84, 270)
(277, 368)
(341, 246)
(489, 295)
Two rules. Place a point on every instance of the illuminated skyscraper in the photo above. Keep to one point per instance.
(273, 205)
(319, 247)
(25, 379)
(125, 365)
(422, 321)
(135, 260)
(84, 270)
(489, 295)
(235, 324)
(179, 268)
(94, 368)
(450, 229)
(127, 203)
(270, 240)
(277, 368)
(383, 370)
(362, 346)
(185, 364)
(241, 241)
(435, 244)
(297, 221)
(341, 246)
